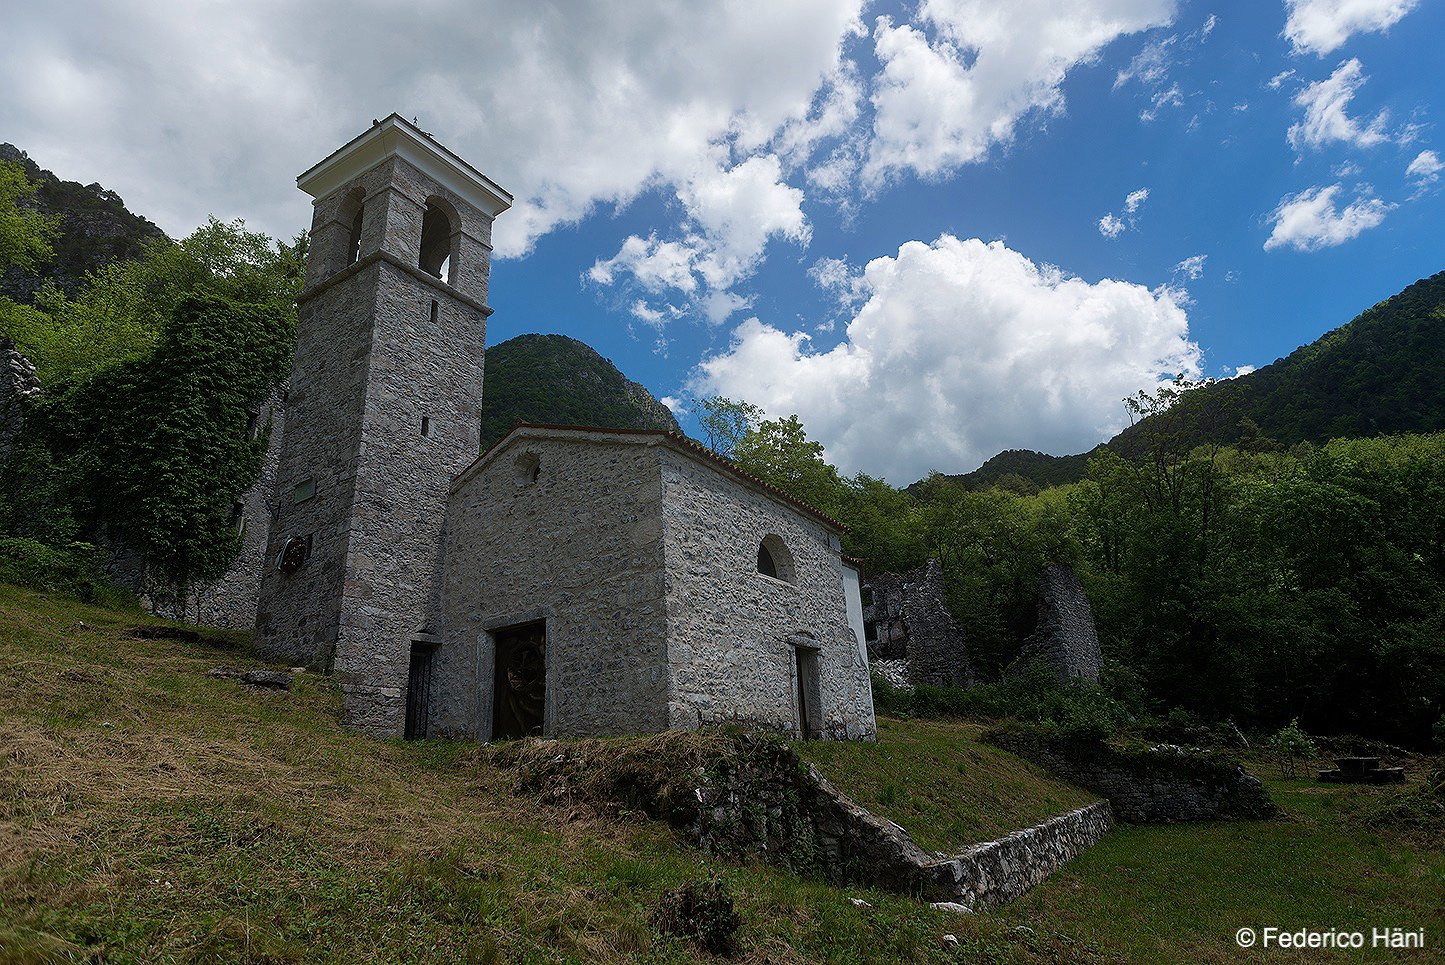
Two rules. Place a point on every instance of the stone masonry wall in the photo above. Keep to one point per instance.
(581, 547)
(911, 621)
(729, 627)
(1145, 787)
(1065, 642)
(996, 872)
(299, 612)
(749, 796)
(370, 364)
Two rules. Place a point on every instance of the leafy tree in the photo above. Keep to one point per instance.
(779, 452)
(157, 449)
(726, 423)
(1291, 746)
(142, 432)
(26, 235)
(121, 308)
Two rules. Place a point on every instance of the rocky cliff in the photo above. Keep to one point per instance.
(95, 230)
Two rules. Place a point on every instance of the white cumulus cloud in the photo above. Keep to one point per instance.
(1326, 118)
(731, 216)
(959, 79)
(1321, 26)
(189, 110)
(1312, 220)
(961, 349)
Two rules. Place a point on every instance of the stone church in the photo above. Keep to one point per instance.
(569, 581)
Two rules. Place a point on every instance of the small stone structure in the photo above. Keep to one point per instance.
(751, 797)
(905, 618)
(639, 552)
(1162, 785)
(1065, 643)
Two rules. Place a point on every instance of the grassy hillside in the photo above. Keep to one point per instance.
(149, 812)
(1175, 894)
(556, 379)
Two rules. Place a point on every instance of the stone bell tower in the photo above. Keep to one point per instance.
(382, 412)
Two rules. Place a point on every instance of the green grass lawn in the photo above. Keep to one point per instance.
(150, 813)
(1179, 893)
(935, 780)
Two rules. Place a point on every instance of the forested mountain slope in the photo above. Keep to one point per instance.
(1382, 373)
(556, 379)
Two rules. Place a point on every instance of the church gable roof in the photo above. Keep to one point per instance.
(672, 440)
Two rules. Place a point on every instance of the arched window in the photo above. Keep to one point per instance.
(437, 227)
(774, 559)
(350, 214)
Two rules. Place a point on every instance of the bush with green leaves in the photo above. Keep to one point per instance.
(73, 570)
(1075, 708)
(1291, 747)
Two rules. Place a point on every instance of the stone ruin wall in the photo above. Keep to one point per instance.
(910, 622)
(1160, 785)
(1065, 643)
(760, 801)
(18, 382)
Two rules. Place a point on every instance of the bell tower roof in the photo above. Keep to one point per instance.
(397, 136)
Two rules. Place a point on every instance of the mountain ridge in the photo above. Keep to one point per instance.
(1381, 373)
(563, 381)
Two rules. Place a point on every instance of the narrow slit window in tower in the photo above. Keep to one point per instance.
(353, 245)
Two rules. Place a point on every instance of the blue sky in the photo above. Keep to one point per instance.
(932, 230)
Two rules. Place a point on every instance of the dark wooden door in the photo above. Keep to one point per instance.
(519, 697)
(805, 724)
(418, 691)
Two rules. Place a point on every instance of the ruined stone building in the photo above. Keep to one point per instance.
(910, 634)
(566, 582)
(1065, 643)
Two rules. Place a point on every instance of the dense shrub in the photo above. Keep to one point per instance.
(1076, 707)
(73, 570)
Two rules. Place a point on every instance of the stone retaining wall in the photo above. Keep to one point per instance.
(1155, 786)
(996, 872)
(747, 795)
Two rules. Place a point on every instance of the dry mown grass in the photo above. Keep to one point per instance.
(151, 813)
